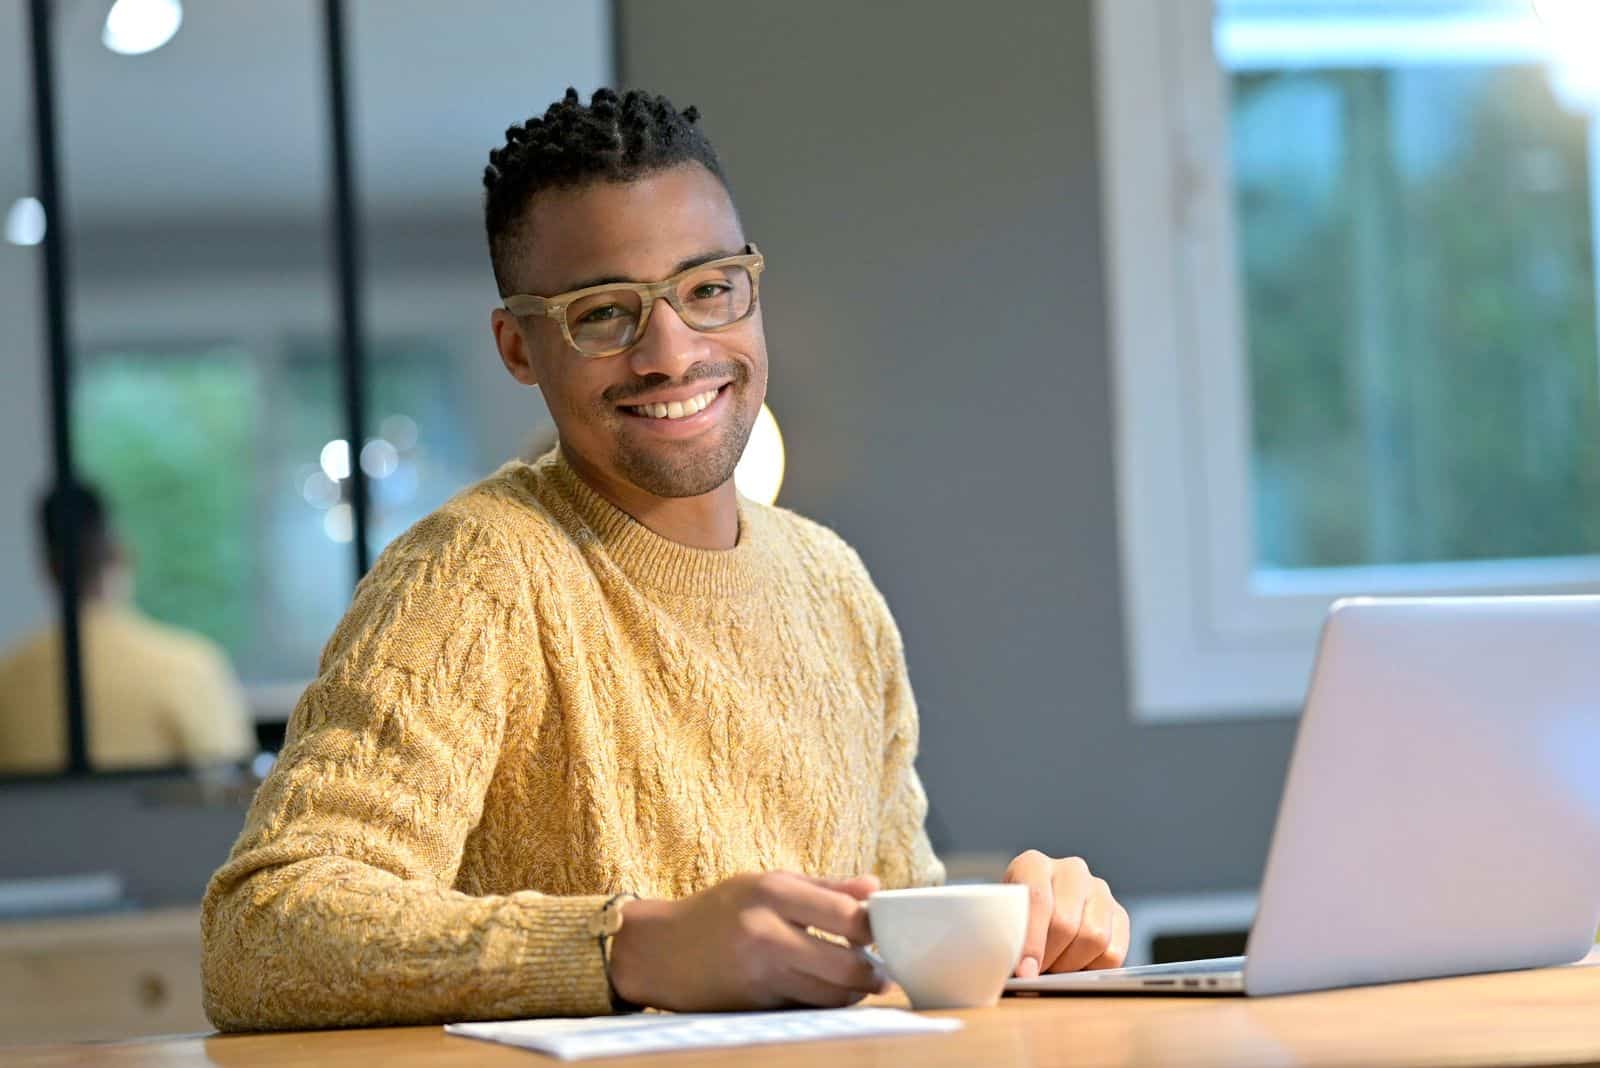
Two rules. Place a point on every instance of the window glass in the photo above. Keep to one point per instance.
(207, 411)
(198, 246)
(1416, 242)
(418, 450)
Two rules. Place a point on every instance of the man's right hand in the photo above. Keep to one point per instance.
(743, 944)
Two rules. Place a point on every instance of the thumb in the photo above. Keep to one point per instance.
(857, 886)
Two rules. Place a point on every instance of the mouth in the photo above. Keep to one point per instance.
(680, 418)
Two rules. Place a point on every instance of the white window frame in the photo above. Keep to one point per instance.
(1209, 634)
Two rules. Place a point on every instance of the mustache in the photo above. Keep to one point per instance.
(700, 373)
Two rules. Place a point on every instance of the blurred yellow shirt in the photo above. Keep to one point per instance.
(157, 696)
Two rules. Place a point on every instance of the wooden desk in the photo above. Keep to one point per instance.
(1521, 1018)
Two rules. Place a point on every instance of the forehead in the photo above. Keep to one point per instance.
(638, 231)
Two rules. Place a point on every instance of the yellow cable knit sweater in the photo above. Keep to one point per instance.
(535, 702)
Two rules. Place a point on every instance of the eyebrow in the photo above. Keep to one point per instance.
(683, 265)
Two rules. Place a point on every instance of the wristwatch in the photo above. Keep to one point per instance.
(604, 924)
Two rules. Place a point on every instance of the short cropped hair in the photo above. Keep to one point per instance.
(611, 139)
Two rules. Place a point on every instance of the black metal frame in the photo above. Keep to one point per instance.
(347, 253)
(58, 351)
(58, 348)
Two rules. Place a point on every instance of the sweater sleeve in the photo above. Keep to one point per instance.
(336, 906)
(905, 856)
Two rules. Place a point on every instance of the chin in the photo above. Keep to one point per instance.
(690, 472)
(693, 479)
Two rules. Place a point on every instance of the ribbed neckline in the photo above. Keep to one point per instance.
(646, 557)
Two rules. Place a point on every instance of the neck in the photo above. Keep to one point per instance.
(708, 521)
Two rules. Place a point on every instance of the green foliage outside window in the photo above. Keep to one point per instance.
(170, 443)
(1419, 299)
(209, 458)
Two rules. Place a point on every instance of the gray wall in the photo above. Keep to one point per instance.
(923, 179)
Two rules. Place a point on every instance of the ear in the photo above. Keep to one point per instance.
(513, 347)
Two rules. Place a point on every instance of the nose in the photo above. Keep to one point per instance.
(668, 347)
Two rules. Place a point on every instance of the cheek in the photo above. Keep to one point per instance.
(577, 392)
(758, 375)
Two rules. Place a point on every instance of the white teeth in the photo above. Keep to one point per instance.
(677, 409)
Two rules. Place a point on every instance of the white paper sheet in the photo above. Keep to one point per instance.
(616, 1036)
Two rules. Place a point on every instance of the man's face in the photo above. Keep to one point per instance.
(641, 231)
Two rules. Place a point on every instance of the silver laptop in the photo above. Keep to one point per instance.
(1442, 809)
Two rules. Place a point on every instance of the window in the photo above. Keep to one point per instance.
(1352, 261)
(225, 477)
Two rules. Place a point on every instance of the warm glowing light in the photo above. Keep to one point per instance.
(339, 523)
(336, 459)
(25, 222)
(759, 472)
(134, 27)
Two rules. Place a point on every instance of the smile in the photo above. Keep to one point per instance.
(675, 410)
(680, 420)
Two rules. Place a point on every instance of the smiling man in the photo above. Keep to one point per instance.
(600, 732)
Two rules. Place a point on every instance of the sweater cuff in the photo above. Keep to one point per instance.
(547, 958)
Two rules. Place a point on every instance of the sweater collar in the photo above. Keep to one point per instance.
(647, 558)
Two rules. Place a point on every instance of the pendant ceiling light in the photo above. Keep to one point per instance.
(134, 27)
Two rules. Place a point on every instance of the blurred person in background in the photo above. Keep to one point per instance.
(156, 695)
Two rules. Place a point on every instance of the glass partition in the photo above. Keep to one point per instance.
(196, 180)
(207, 415)
(433, 373)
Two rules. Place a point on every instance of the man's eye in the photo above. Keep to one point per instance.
(604, 313)
(708, 291)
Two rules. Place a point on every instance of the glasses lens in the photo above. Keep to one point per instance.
(715, 296)
(604, 322)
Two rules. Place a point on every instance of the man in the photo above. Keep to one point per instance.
(602, 674)
(156, 696)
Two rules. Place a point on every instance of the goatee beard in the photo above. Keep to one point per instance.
(690, 468)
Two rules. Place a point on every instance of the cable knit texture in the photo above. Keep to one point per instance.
(535, 702)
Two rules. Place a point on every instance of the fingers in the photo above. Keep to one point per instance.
(845, 968)
(807, 902)
(1033, 870)
(1065, 923)
(1094, 929)
(799, 988)
(1073, 921)
(857, 886)
(1122, 934)
(1073, 887)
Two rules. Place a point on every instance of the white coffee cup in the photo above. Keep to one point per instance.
(950, 947)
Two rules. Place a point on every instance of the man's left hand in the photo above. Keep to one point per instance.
(1073, 921)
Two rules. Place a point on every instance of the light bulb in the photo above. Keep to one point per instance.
(25, 222)
(759, 472)
(335, 459)
(134, 27)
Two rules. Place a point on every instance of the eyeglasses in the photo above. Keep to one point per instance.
(607, 319)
